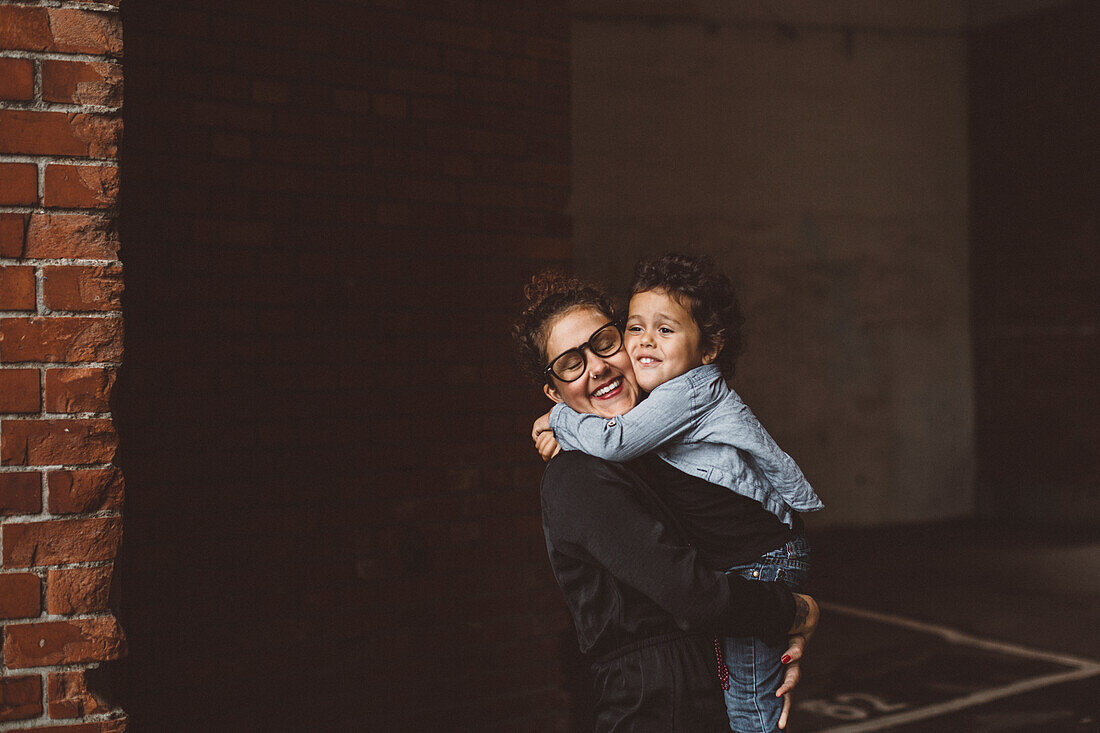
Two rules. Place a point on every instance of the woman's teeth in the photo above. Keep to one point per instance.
(610, 387)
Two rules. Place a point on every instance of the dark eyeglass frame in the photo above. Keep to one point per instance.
(550, 373)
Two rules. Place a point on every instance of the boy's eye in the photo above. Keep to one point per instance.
(665, 329)
(633, 329)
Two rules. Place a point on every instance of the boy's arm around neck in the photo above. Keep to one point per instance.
(670, 412)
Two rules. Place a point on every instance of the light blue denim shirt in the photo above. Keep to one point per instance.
(699, 425)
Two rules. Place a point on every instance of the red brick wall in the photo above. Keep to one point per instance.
(60, 347)
(328, 213)
(1035, 264)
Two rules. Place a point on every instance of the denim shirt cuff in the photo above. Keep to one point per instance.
(555, 415)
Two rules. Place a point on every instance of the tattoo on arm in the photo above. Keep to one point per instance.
(801, 613)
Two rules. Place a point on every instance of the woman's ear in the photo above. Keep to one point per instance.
(714, 350)
(551, 393)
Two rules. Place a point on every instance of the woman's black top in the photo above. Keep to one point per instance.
(725, 527)
(626, 570)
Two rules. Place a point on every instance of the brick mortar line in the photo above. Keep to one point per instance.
(46, 313)
(42, 162)
(82, 314)
(41, 570)
(56, 159)
(77, 314)
(58, 56)
(48, 517)
(108, 213)
(56, 467)
(62, 667)
(52, 261)
(50, 366)
(59, 365)
(71, 4)
(40, 179)
(32, 724)
(48, 617)
(43, 609)
(42, 106)
(115, 713)
(23, 416)
(36, 94)
(44, 478)
(39, 291)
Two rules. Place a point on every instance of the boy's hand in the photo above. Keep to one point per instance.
(545, 442)
(541, 425)
(547, 445)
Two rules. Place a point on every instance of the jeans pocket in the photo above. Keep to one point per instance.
(768, 572)
(794, 578)
(792, 575)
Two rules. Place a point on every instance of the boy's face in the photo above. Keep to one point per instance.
(662, 339)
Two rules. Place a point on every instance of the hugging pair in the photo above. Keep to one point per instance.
(669, 520)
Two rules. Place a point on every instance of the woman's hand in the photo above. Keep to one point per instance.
(791, 676)
(792, 657)
(806, 617)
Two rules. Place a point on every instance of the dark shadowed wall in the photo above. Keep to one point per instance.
(329, 209)
(818, 151)
(906, 195)
(1035, 255)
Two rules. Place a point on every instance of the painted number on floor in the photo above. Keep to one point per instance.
(851, 706)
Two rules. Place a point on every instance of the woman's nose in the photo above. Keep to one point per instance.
(596, 365)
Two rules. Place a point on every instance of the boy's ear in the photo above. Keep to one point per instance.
(551, 393)
(715, 348)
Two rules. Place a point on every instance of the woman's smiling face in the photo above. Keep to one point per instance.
(607, 387)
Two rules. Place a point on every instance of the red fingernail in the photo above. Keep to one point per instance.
(786, 658)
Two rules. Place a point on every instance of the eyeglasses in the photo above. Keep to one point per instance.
(569, 366)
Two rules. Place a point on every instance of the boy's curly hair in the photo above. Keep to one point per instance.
(697, 284)
(549, 295)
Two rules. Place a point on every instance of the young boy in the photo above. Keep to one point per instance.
(736, 493)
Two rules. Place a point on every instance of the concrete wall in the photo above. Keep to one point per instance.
(819, 152)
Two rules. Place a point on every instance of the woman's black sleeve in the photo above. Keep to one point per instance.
(599, 509)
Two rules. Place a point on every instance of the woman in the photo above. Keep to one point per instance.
(643, 606)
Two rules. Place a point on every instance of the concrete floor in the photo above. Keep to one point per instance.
(954, 627)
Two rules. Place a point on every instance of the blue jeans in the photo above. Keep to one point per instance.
(754, 664)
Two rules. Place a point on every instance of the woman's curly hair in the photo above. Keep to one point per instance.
(549, 295)
(697, 284)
